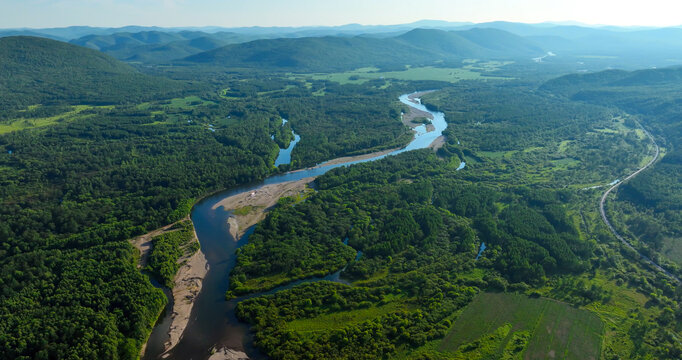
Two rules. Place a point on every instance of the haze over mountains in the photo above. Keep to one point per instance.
(361, 45)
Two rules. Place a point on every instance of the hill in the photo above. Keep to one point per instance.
(39, 71)
(419, 46)
(647, 209)
(613, 81)
(153, 47)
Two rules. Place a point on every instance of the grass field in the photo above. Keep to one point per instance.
(21, 123)
(188, 102)
(340, 319)
(516, 326)
(363, 75)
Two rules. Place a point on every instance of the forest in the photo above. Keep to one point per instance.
(82, 176)
(529, 195)
(92, 159)
(647, 208)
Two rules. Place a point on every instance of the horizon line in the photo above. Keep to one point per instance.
(456, 23)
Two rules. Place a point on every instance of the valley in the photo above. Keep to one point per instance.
(394, 192)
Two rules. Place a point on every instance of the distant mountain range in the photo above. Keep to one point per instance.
(158, 46)
(341, 47)
(417, 47)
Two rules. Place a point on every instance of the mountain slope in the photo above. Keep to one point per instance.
(416, 47)
(442, 42)
(325, 53)
(158, 46)
(37, 70)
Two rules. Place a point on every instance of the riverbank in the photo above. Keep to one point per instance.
(228, 354)
(252, 206)
(210, 327)
(187, 283)
(413, 114)
(143, 243)
(438, 143)
(347, 159)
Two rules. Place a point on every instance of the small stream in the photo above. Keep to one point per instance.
(213, 323)
(284, 156)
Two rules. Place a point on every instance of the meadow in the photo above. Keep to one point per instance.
(522, 327)
(448, 74)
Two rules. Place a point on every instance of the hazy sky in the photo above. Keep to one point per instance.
(229, 13)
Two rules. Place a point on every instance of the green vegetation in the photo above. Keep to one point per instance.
(168, 249)
(363, 75)
(42, 71)
(341, 319)
(329, 54)
(157, 46)
(93, 153)
(72, 113)
(646, 209)
(540, 328)
(534, 138)
(414, 217)
(79, 178)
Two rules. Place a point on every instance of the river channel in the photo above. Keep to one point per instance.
(213, 324)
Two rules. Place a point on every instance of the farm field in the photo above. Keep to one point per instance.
(516, 326)
(452, 75)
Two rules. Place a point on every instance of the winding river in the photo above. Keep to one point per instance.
(213, 323)
(284, 156)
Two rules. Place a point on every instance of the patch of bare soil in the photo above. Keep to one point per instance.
(259, 201)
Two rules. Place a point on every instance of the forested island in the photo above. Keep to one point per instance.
(487, 245)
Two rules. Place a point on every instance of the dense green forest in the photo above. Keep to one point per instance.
(526, 191)
(82, 171)
(41, 71)
(94, 152)
(168, 249)
(418, 226)
(331, 53)
(647, 209)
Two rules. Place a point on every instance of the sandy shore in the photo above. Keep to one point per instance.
(438, 143)
(234, 227)
(412, 97)
(347, 159)
(408, 118)
(188, 282)
(260, 201)
(143, 243)
(228, 354)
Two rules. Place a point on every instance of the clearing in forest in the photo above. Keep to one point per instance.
(514, 326)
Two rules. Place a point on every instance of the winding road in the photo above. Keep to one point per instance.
(613, 230)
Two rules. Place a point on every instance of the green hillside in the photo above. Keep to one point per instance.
(42, 71)
(647, 209)
(417, 47)
(158, 46)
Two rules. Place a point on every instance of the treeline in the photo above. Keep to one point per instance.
(73, 193)
(75, 303)
(345, 120)
(418, 227)
(496, 118)
(372, 339)
(385, 208)
(42, 71)
(647, 207)
(80, 188)
(168, 248)
(512, 133)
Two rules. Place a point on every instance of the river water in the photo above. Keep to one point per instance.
(213, 323)
(284, 156)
